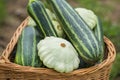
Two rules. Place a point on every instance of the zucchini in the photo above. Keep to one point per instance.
(78, 32)
(26, 54)
(37, 11)
(98, 31)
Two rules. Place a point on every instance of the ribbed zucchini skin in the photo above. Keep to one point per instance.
(98, 31)
(77, 31)
(26, 53)
(37, 11)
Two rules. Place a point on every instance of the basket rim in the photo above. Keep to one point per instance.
(18, 68)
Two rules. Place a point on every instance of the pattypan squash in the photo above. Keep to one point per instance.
(88, 16)
(58, 28)
(58, 53)
(56, 24)
(51, 14)
(31, 22)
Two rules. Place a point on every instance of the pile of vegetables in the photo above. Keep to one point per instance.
(60, 37)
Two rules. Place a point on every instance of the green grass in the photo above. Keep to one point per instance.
(97, 6)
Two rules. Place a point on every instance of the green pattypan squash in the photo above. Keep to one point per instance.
(31, 22)
(58, 28)
(88, 16)
(51, 14)
(58, 53)
(56, 24)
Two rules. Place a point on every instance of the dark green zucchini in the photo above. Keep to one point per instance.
(26, 53)
(37, 11)
(98, 31)
(78, 32)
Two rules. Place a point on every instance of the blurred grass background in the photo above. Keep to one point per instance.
(107, 10)
(3, 10)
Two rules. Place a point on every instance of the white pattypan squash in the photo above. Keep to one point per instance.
(88, 16)
(58, 53)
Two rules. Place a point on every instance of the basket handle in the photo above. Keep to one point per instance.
(6, 53)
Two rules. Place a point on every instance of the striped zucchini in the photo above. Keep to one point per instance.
(26, 53)
(98, 31)
(77, 31)
(37, 11)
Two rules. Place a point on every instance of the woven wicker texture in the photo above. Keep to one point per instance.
(12, 71)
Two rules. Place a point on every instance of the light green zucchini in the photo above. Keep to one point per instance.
(26, 53)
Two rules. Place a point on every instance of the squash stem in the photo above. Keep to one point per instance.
(30, 1)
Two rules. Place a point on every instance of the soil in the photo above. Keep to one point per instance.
(16, 13)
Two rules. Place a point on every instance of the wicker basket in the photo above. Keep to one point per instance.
(12, 71)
